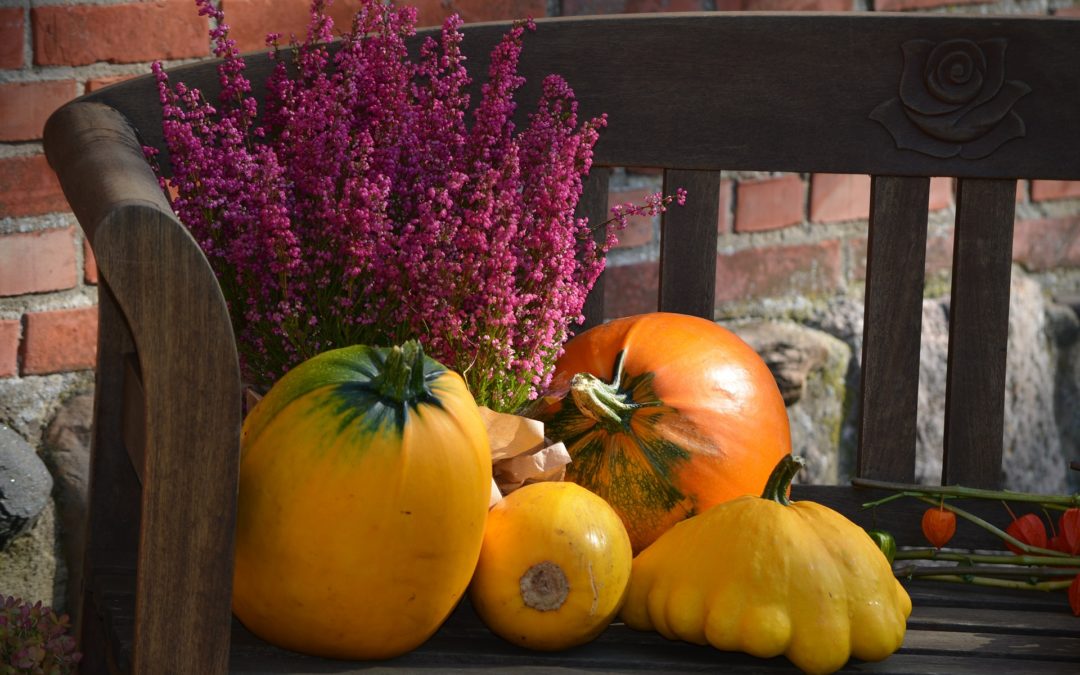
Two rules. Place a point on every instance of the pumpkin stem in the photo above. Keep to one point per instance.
(600, 401)
(776, 488)
(402, 376)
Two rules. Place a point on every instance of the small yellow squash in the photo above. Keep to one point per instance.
(553, 568)
(768, 576)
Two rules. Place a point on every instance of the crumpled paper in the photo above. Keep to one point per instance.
(520, 453)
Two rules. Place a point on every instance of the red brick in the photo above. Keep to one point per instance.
(1068, 11)
(939, 254)
(24, 107)
(941, 193)
(631, 289)
(857, 255)
(9, 348)
(90, 272)
(1048, 243)
(1042, 190)
(808, 269)
(769, 204)
(102, 82)
(795, 5)
(78, 35)
(664, 6)
(59, 341)
(28, 187)
(434, 12)
(724, 217)
(639, 229)
(837, 197)
(585, 7)
(250, 20)
(11, 37)
(37, 262)
(900, 5)
(590, 7)
(1022, 190)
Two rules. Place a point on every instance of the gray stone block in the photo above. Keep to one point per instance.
(25, 485)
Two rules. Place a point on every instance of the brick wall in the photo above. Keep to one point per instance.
(810, 228)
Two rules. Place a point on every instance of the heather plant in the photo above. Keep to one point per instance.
(368, 202)
(33, 639)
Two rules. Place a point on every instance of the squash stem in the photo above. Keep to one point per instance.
(779, 483)
(601, 401)
(402, 376)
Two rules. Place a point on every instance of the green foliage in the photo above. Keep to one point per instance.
(34, 640)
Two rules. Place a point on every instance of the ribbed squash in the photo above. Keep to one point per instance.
(364, 483)
(768, 576)
(665, 415)
(554, 567)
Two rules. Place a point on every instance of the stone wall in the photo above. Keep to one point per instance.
(790, 257)
(819, 349)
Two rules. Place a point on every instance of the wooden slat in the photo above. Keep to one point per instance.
(594, 206)
(978, 332)
(1059, 623)
(191, 379)
(976, 599)
(895, 263)
(112, 526)
(939, 639)
(766, 91)
(168, 296)
(688, 244)
(993, 645)
(134, 424)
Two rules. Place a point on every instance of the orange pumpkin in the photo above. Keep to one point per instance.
(664, 416)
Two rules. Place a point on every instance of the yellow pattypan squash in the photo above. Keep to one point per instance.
(768, 576)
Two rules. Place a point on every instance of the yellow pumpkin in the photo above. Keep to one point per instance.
(364, 483)
(553, 568)
(767, 576)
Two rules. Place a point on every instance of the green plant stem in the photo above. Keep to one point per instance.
(989, 559)
(1000, 583)
(961, 492)
(911, 571)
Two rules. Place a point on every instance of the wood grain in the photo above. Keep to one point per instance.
(939, 639)
(191, 380)
(112, 526)
(688, 244)
(594, 206)
(978, 332)
(892, 327)
(751, 100)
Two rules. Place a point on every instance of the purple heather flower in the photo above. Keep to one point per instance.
(370, 203)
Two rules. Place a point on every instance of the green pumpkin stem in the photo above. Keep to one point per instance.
(601, 401)
(402, 376)
(776, 488)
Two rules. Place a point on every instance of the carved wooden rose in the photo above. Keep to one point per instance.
(954, 99)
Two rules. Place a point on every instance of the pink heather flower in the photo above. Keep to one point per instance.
(370, 203)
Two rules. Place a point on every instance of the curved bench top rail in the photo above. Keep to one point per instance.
(97, 156)
(784, 91)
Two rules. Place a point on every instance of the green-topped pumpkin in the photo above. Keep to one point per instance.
(364, 482)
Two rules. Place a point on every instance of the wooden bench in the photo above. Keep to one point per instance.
(693, 94)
